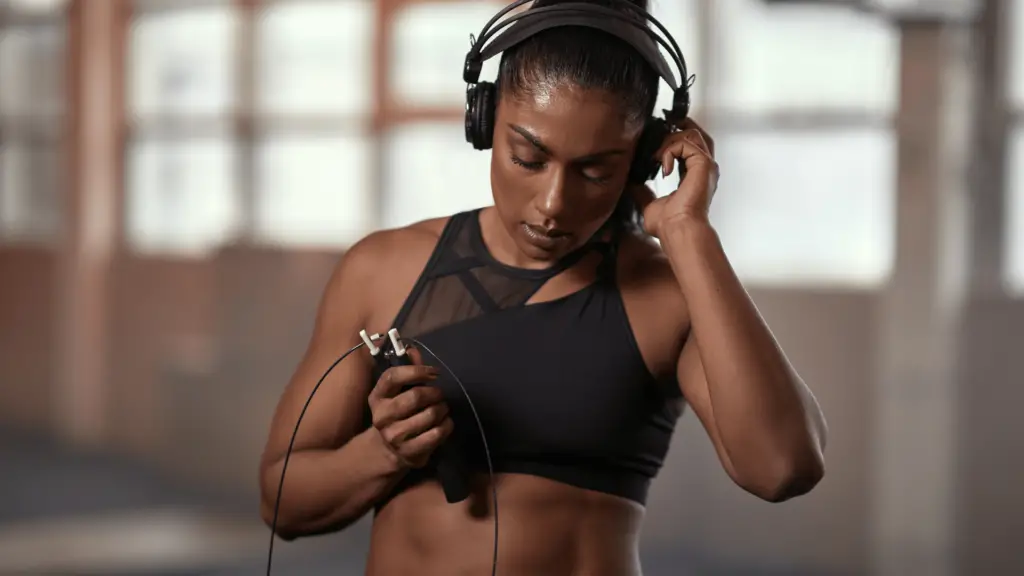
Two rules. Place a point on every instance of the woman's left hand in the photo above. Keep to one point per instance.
(692, 199)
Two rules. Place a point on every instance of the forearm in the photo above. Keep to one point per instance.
(768, 421)
(326, 490)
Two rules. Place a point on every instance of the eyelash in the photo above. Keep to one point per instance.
(535, 166)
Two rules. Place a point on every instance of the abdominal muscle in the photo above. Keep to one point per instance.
(545, 529)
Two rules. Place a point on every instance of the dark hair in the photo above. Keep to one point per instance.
(587, 58)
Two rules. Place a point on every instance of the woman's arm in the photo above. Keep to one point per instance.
(765, 423)
(337, 470)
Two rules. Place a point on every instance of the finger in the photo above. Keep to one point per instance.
(685, 150)
(673, 147)
(404, 430)
(406, 404)
(705, 141)
(415, 354)
(691, 124)
(415, 449)
(395, 378)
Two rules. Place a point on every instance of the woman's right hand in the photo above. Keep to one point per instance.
(412, 422)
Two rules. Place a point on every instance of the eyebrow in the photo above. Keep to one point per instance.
(536, 142)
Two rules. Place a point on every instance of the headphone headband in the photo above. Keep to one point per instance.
(631, 27)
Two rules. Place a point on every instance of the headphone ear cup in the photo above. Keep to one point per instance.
(645, 164)
(487, 110)
(480, 111)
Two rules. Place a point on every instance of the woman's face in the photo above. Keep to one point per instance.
(559, 164)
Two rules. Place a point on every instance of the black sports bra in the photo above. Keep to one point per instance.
(560, 386)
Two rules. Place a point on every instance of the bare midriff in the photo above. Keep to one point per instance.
(545, 529)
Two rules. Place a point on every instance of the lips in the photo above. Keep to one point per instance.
(543, 238)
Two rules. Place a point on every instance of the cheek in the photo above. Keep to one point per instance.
(508, 187)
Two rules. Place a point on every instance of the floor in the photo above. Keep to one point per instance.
(70, 514)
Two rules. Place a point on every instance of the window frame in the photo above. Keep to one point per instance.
(1014, 106)
(245, 126)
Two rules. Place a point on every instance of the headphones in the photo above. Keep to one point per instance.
(629, 25)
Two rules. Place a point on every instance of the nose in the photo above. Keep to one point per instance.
(551, 201)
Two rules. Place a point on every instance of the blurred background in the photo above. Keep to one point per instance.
(178, 177)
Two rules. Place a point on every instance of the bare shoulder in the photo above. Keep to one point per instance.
(653, 301)
(643, 265)
(380, 270)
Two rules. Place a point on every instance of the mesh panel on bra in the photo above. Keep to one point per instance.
(461, 282)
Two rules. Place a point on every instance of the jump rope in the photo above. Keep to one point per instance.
(393, 353)
(629, 23)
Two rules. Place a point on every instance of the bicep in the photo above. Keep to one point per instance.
(335, 411)
(693, 383)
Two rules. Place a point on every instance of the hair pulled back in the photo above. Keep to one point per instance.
(586, 58)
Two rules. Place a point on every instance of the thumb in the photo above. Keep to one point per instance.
(642, 194)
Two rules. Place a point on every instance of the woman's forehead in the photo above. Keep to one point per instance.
(568, 114)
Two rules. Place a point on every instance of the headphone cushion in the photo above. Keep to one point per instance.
(479, 123)
(645, 165)
(485, 115)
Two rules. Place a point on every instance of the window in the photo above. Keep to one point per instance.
(315, 57)
(31, 107)
(1015, 213)
(793, 206)
(431, 171)
(822, 219)
(1014, 261)
(430, 45)
(181, 192)
(1016, 47)
(314, 92)
(314, 190)
(302, 174)
(182, 61)
(785, 57)
(431, 41)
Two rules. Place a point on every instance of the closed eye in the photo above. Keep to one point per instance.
(532, 166)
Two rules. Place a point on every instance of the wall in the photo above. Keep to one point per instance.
(27, 332)
(991, 451)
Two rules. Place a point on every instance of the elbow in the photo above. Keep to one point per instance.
(281, 524)
(787, 478)
(280, 529)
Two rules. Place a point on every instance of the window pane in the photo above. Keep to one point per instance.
(181, 196)
(827, 218)
(802, 56)
(29, 192)
(314, 190)
(183, 61)
(316, 57)
(431, 171)
(1016, 38)
(31, 70)
(430, 45)
(1015, 213)
(431, 41)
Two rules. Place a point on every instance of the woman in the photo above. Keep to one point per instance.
(577, 336)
